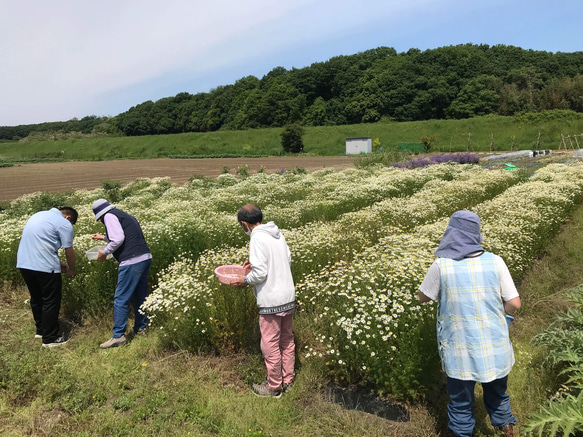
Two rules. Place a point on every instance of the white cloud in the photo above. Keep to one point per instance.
(68, 51)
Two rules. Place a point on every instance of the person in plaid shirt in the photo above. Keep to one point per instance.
(474, 291)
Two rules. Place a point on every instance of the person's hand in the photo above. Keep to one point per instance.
(247, 265)
(97, 237)
(240, 282)
(101, 256)
(64, 267)
(71, 273)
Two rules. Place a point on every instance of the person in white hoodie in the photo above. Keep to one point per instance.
(270, 260)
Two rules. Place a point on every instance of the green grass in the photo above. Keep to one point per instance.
(542, 291)
(141, 389)
(322, 141)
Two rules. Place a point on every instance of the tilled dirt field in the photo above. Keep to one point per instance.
(62, 176)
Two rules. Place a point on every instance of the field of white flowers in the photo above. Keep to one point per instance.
(361, 242)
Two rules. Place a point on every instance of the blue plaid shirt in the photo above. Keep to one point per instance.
(472, 331)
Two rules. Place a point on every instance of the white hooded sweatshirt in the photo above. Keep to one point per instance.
(270, 274)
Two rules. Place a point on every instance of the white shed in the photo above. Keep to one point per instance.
(356, 146)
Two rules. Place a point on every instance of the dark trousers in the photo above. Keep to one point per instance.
(461, 404)
(45, 301)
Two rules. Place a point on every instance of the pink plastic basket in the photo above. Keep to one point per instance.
(230, 274)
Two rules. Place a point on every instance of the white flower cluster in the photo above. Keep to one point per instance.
(361, 242)
(520, 222)
(317, 246)
(372, 300)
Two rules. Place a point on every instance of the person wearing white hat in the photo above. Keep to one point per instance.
(128, 246)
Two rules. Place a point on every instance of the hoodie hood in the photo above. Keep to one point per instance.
(269, 228)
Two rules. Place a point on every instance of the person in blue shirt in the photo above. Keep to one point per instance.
(38, 260)
(474, 291)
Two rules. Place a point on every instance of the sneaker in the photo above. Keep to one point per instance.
(59, 341)
(113, 342)
(264, 390)
(285, 387)
(38, 336)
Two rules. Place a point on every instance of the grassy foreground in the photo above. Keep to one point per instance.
(453, 136)
(140, 389)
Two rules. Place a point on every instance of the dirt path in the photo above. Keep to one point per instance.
(62, 176)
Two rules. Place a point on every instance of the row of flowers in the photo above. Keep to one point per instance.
(361, 243)
(369, 319)
(357, 288)
(188, 290)
(201, 216)
(459, 158)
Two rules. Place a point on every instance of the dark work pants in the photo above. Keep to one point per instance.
(45, 301)
(461, 404)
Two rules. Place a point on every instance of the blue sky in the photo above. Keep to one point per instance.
(61, 59)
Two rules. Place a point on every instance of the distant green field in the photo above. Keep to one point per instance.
(322, 141)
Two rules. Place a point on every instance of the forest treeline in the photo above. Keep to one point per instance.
(90, 124)
(376, 85)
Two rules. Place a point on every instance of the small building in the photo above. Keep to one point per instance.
(358, 145)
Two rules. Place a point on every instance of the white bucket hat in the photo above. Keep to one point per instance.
(100, 207)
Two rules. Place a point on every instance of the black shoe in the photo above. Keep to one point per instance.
(59, 341)
(285, 387)
(142, 331)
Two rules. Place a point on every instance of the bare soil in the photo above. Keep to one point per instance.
(56, 177)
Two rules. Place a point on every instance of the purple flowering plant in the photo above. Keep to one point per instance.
(460, 158)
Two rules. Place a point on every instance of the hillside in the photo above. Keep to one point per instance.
(454, 82)
(453, 136)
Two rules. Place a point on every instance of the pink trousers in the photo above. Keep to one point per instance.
(278, 348)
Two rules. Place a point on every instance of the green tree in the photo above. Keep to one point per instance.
(480, 96)
(291, 138)
(316, 115)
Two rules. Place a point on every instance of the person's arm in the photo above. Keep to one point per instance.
(512, 305)
(258, 263)
(115, 233)
(509, 294)
(423, 298)
(70, 255)
(431, 285)
(66, 235)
